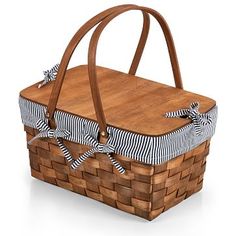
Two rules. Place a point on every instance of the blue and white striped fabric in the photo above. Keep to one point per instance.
(49, 75)
(98, 147)
(147, 149)
(46, 132)
(192, 113)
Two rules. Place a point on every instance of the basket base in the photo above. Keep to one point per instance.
(144, 190)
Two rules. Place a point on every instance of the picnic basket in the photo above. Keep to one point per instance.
(132, 143)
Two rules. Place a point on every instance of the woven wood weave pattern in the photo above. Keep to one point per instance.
(145, 190)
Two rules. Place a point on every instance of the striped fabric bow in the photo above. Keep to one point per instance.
(101, 148)
(46, 132)
(192, 113)
(49, 75)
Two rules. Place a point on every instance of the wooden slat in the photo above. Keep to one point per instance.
(144, 205)
(127, 208)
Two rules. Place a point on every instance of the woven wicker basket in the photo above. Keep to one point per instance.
(142, 163)
(146, 190)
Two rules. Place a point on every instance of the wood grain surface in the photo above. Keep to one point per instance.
(130, 102)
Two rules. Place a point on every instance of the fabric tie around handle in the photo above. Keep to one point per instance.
(100, 148)
(46, 132)
(192, 113)
(49, 75)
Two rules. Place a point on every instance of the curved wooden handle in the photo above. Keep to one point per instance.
(92, 59)
(76, 40)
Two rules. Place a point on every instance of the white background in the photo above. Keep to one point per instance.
(33, 36)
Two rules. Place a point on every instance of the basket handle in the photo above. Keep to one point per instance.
(76, 40)
(92, 60)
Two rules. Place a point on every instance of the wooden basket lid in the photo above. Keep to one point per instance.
(130, 102)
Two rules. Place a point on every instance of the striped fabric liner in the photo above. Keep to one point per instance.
(147, 149)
